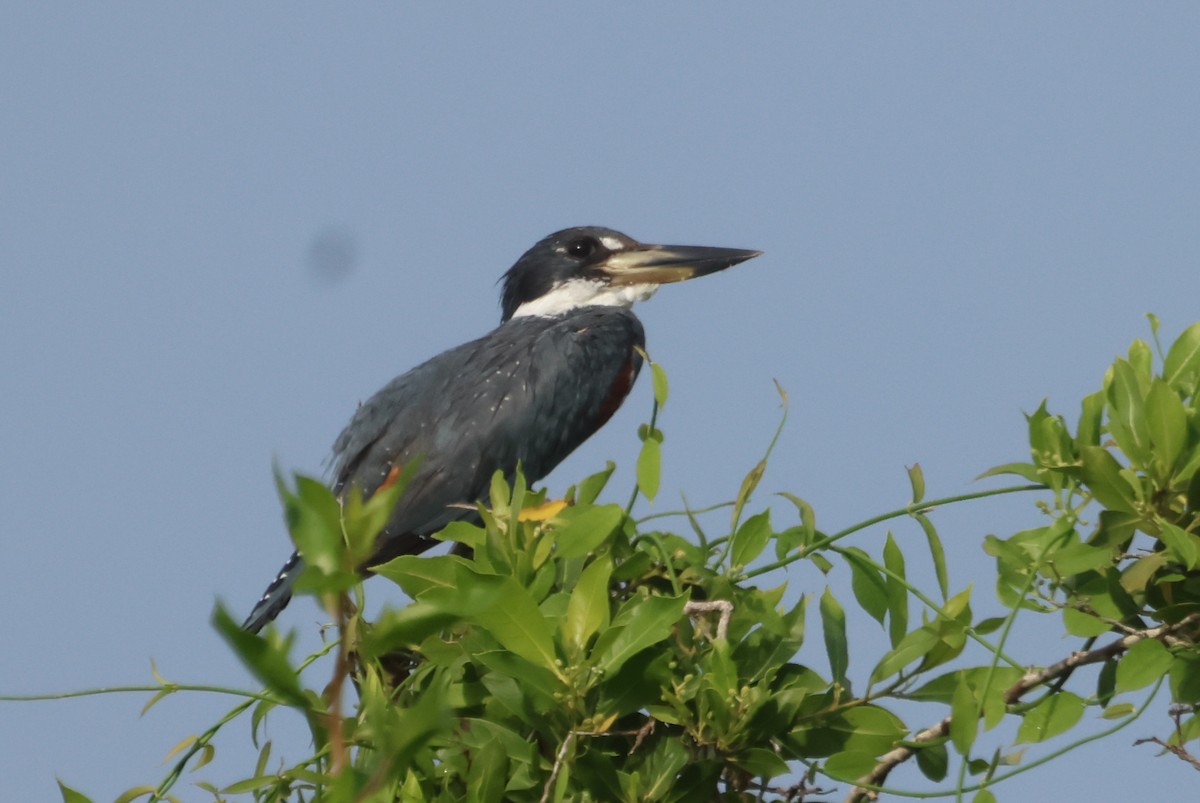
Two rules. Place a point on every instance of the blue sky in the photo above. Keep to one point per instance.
(963, 209)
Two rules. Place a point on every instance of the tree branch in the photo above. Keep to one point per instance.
(865, 788)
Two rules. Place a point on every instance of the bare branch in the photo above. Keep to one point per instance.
(1174, 749)
(558, 763)
(722, 605)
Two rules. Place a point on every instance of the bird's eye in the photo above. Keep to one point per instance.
(582, 248)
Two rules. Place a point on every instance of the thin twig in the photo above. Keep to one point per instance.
(1174, 749)
(558, 763)
(1164, 633)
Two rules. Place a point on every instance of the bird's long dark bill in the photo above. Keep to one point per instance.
(663, 264)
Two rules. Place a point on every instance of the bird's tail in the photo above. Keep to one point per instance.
(277, 595)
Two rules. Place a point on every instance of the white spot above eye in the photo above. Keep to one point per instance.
(577, 293)
(612, 243)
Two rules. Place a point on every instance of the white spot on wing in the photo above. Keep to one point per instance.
(576, 293)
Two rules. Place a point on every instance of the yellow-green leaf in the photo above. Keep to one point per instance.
(1055, 714)
(649, 467)
(833, 626)
(659, 380)
(588, 608)
(1144, 663)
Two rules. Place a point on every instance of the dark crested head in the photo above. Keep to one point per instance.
(594, 266)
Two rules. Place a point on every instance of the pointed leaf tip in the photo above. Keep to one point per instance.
(917, 479)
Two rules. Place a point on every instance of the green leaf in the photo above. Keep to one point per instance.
(662, 768)
(990, 625)
(867, 583)
(761, 763)
(1077, 558)
(1087, 432)
(133, 794)
(499, 494)
(1118, 711)
(850, 765)
(649, 467)
(314, 522)
(539, 687)
(1049, 441)
(749, 483)
(1055, 714)
(833, 625)
(916, 478)
(588, 609)
(913, 646)
(936, 552)
(1167, 423)
(821, 562)
(964, 717)
(488, 773)
(1106, 682)
(265, 658)
(1084, 625)
(463, 532)
(1142, 361)
(207, 754)
(658, 377)
(808, 517)
(942, 688)
(1189, 730)
(406, 628)
(933, 761)
(1185, 679)
(515, 621)
(873, 729)
(264, 755)
(69, 795)
(639, 624)
(897, 593)
(589, 489)
(1182, 365)
(865, 728)
(417, 575)
(751, 538)
(1143, 663)
(720, 673)
(400, 732)
(1101, 474)
(1127, 417)
(584, 529)
(1184, 546)
(248, 785)
(1024, 470)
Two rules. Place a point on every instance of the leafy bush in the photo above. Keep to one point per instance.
(565, 652)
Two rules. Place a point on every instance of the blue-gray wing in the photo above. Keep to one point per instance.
(528, 393)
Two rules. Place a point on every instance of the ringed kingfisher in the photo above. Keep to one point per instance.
(565, 355)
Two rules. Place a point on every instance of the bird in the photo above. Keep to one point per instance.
(562, 360)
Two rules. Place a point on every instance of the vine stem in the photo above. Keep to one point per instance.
(907, 510)
(162, 687)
